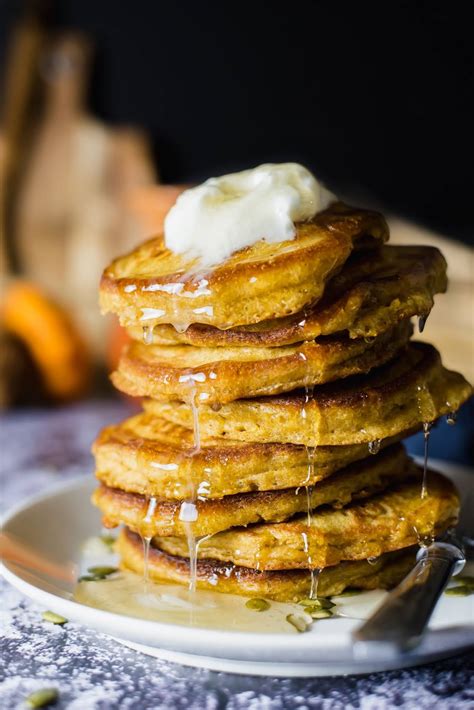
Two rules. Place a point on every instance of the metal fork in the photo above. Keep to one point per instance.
(398, 624)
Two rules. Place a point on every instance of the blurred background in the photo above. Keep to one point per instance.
(109, 109)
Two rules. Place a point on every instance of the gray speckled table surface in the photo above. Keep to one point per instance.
(91, 671)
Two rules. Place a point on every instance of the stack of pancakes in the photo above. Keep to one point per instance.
(267, 458)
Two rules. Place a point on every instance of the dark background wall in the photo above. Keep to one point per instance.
(376, 98)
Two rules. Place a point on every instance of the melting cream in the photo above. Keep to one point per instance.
(224, 214)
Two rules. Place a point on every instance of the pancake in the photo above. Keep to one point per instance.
(284, 585)
(220, 375)
(153, 457)
(389, 521)
(153, 285)
(412, 389)
(369, 296)
(154, 516)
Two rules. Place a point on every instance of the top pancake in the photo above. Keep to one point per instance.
(152, 285)
(406, 392)
(370, 295)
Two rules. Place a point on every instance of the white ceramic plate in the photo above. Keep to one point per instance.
(56, 524)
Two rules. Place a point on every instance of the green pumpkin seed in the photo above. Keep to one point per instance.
(319, 603)
(298, 622)
(464, 579)
(463, 590)
(320, 614)
(108, 540)
(53, 618)
(102, 571)
(43, 697)
(257, 604)
(90, 578)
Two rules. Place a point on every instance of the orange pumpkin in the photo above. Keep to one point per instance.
(51, 337)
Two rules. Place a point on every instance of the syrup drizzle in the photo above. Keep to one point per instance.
(146, 539)
(421, 323)
(426, 434)
(451, 418)
(147, 334)
(146, 555)
(374, 446)
(310, 453)
(189, 512)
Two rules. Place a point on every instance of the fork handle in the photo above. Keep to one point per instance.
(399, 623)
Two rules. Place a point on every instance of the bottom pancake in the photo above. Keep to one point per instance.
(281, 585)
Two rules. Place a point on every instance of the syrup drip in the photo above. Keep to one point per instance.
(374, 446)
(180, 327)
(146, 555)
(196, 427)
(192, 552)
(451, 418)
(189, 512)
(310, 452)
(372, 560)
(199, 279)
(147, 334)
(313, 590)
(421, 323)
(146, 539)
(150, 510)
(426, 433)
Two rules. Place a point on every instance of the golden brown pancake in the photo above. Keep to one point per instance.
(385, 522)
(371, 294)
(257, 283)
(153, 457)
(412, 389)
(220, 375)
(281, 585)
(154, 516)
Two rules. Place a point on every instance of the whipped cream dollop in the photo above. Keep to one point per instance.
(224, 214)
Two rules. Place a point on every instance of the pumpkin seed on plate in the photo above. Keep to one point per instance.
(108, 540)
(320, 614)
(297, 621)
(257, 604)
(464, 579)
(103, 571)
(463, 590)
(316, 603)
